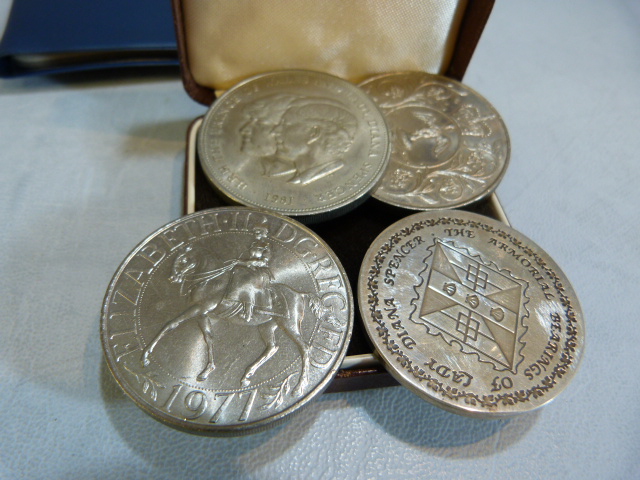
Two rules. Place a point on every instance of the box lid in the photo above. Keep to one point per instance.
(221, 43)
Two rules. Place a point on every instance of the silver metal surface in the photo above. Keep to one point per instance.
(449, 145)
(304, 144)
(227, 320)
(470, 314)
(494, 210)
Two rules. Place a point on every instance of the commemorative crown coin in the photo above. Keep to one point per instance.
(470, 314)
(304, 144)
(450, 147)
(226, 321)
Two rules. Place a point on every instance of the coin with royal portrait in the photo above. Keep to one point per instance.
(470, 314)
(305, 144)
(227, 321)
(450, 147)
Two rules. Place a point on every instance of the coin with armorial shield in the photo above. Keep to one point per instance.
(450, 146)
(227, 320)
(470, 314)
(305, 144)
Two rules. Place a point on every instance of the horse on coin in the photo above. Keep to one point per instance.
(249, 296)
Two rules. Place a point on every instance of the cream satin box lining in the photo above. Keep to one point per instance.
(227, 42)
(367, 360)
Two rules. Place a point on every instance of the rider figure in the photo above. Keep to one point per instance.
(249, 285)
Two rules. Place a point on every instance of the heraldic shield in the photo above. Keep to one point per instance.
(473, 303)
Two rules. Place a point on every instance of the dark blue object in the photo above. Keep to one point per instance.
(55, 36)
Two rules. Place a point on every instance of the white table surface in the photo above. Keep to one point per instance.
(89, 167)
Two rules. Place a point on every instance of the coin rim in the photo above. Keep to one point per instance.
(308, 213)
(218, 429)
(387, 357)
(485, 192)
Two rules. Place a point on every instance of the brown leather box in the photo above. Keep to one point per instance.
(222, 42)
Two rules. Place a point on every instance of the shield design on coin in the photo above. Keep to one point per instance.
(484, 314)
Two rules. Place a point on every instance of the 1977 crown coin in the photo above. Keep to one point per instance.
(227, 320)
(305, 144)
(470, 314)
(450, 147)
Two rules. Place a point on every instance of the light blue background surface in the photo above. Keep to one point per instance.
(89, 168)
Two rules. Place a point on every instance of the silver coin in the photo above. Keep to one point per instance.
(470, 314)
(227, 320)
(301, 143)
(450, 147)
